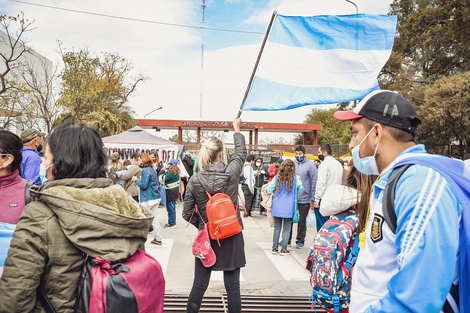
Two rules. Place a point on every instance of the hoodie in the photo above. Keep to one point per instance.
(308, 174)
(337, 199)
(67, 218)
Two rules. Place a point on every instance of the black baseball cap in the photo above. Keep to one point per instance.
(385, 107)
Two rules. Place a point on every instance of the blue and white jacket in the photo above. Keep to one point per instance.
(412, 270)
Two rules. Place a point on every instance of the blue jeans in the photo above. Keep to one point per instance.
(170, 208)
(285, 231)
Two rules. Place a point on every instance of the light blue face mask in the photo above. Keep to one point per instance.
(43, 172)
(367, 165)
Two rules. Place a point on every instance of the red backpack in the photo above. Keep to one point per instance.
(222, 216)
(135, 285)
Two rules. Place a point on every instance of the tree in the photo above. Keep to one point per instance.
(40, 98)
(445, 113)
(332, 132)
(431, 44)
(12, 50)
(274, 140)
(95, 90)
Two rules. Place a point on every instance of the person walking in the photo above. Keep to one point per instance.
(248, 184)
(150, 193)
(32, 145)
(261, 174)
(70, 215)
(188, 163)
(426, 250)
(172, 188)
(330, 172)
(286, 186)
(215, 176)
(307, 171)
(132, 170)
(12, 186)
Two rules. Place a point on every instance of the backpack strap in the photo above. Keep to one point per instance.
(27, 194)
(244, 207)
(388, 206)
(352, 257)
(46, 304)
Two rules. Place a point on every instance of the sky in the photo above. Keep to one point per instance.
(169, 55)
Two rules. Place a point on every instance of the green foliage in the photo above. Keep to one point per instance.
(95, 90)
(174, 138)
(446, 111)
(332, 131)
(431, 44)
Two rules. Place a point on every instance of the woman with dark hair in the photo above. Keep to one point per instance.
(150, 193)
(172, 188)
(78, 211)
(285, 186)
(215, 176)
(12, 186)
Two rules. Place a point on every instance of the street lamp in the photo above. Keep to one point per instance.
(152, 111)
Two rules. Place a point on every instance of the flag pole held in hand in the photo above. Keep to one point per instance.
(257, 62)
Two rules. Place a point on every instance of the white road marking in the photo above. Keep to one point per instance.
(289, 268)
(160, 253)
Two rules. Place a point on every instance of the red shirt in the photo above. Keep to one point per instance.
(272, 171)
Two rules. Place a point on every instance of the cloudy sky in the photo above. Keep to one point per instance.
(170, 55)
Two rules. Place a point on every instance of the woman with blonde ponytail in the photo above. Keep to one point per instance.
(214, 176)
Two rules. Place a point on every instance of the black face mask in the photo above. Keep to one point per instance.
(321, 157)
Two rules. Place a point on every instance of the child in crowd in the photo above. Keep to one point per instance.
(285, 186)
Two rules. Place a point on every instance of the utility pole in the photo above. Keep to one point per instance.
(202, 56)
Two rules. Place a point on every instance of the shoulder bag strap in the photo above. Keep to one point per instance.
(388, 206)
(27, 194)
(45, 301)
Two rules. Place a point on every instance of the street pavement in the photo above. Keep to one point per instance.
(264, 273)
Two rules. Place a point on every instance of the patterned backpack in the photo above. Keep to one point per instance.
(334, 253)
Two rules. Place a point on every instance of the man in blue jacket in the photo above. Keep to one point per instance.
(307, 171)
(411, 270)
(32, 145)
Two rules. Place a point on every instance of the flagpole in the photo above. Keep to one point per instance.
(257, 62)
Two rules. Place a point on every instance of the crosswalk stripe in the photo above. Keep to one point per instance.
(160, 253)
(289, 268)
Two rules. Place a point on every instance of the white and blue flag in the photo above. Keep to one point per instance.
(320, 60)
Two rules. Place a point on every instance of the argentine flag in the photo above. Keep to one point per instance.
(320, 60)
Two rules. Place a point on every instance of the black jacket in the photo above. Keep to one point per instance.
(188, 163)
(219, 178)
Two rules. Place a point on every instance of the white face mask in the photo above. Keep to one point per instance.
(367, 165)
(258, 164)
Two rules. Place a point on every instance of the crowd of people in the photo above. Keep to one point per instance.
(83, 201)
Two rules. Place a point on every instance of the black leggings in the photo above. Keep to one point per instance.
(202, 275)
